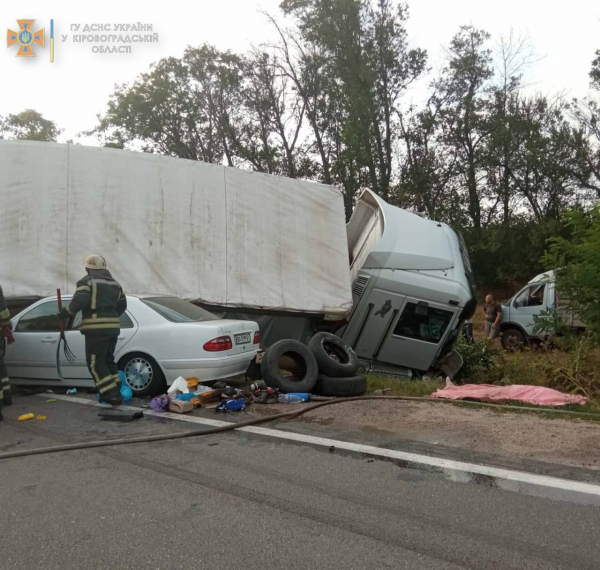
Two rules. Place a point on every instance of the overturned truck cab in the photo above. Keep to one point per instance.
(412, 288)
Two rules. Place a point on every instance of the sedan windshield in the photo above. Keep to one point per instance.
(178, 311)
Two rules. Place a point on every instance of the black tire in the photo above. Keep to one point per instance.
(341, 387)
(139, 383)
(334, 357)
(293, 357)
(513, 340)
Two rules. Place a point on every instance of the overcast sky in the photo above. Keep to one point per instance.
(75, 88)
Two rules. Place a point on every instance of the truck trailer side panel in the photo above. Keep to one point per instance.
(208, 233)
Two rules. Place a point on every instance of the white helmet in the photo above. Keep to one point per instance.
(94, 262)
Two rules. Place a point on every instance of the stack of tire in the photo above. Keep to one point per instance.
(327, 367)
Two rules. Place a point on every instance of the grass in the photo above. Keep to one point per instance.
(399, 387)
(571, 367)
(392, 386)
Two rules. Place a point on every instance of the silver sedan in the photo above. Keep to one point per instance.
(161, 338)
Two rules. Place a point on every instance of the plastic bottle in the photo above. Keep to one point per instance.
(294, 398)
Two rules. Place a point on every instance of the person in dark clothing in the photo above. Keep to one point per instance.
(102, 301)
(6, 336)
(468, 331)
(493, 316)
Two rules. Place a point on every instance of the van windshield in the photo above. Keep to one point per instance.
(178, 311)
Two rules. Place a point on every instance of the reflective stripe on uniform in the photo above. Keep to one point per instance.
(105, 281)
(82, 288)
(93, 369)
(105, 380)
(107, 388)
(94, 295)
(5, 383)
(99, 320)
(113, 326)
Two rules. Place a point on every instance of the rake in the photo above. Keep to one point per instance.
(68, 352)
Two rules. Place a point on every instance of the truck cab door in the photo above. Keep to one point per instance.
(417, 334)
(371, 324)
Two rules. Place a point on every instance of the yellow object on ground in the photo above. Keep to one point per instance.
(41, 418)
(26, 417)
(192, 382)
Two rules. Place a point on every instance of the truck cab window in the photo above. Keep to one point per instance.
(532, 296)
(429, 327)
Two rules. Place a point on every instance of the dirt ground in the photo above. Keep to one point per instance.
(565, 442)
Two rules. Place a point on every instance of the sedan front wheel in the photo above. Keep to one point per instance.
(142, 375)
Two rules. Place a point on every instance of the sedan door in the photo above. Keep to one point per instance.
(76, 341)
(36, 332)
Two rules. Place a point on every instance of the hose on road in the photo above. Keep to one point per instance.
(257, 421)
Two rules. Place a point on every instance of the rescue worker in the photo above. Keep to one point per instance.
(5, 336)
(102, 301)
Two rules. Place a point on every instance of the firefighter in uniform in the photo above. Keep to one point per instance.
(102, 301)
(5, 336)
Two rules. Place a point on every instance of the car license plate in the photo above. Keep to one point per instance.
(243, 338)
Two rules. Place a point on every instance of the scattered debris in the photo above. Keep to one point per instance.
(236, 405)
(160, 404)
(25, 417)
(293, 398)
(179, 385)
(72, 391)
(180, 406)
(41, 418)
(120, 415)
(50, 401)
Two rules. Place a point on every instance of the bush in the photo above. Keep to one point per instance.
(478, 357)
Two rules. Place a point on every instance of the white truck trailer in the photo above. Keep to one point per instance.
(397, 287)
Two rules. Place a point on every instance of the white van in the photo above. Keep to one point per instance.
(517, 328)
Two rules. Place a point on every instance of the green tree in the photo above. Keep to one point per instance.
(29, 125)
(365, 53)
(578, 263)
(466, 79)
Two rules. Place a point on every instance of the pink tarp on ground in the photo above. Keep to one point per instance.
(529, 394)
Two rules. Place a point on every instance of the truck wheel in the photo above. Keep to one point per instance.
(341, 387)
(334, 357)
(289, 366)
(513, 340)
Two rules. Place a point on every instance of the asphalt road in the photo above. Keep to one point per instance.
(236, 501)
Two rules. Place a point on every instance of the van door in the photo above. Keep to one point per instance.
(529, 302)
(376, 318)
(417, 334)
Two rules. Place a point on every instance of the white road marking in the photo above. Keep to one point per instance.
(513, 480)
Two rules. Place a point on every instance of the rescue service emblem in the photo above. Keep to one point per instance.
(26, 38)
